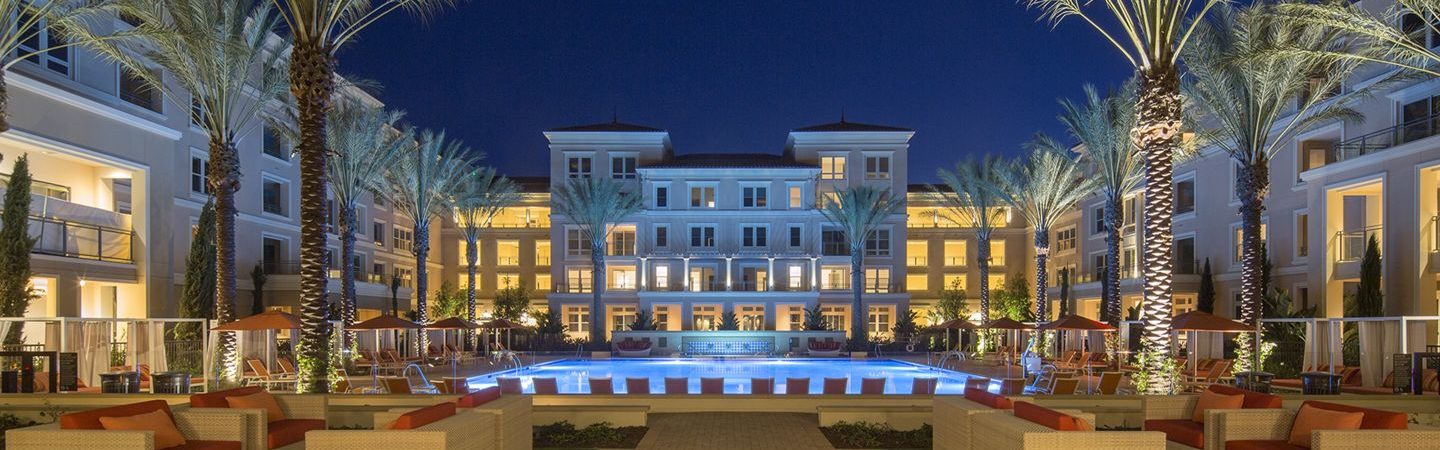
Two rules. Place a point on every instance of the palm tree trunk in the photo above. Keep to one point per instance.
(224, 180)
(347, 272)
(983, 259)
(1249, 185)
(857, 305)
(597, 288)
(1110, 307)
(1042, 257)
(4, 104)
(1157, 135)
(422, 252)
(312, 69)
(472, 257)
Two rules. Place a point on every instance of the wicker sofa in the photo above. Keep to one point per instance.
(1173, 415)
(953, 423)
(1250, 429)
(437, 427)
(202, 430)
(302, 414)
(1033, 427)
(508, 415)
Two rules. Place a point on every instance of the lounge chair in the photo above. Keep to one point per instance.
(262, 377)
(834, 386)
(677, 386)
(1176, 415)
(709, 386)
(762, 386)
(546, 386)
(510, 385)
(1109, 383)
(438, 427)
(86, 430)
(1064, 386)
(872, 386)
(635, 385)
(1251, 429)
(797, 386)
(1037, 427)
(298, 414)
(1212, 376)
(602, 386)
(396, 385)
(1012, 386)
(923, 386)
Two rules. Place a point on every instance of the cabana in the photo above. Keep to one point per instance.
(148, 345)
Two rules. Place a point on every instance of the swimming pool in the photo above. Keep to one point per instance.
(572, 375)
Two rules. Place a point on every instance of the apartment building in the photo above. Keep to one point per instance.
(119, 184)
(1331, 189)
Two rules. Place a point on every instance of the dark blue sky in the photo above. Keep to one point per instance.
(970, 76)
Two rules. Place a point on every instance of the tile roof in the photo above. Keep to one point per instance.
(728, 160)
(532, 184)
(843, 125)
(613, 125)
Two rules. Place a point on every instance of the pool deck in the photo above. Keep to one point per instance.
(757, 431)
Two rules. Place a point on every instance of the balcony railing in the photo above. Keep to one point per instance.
(918, 261)
(1387, 138)
(1353, 242)
(507, 260)
(78, 240)
(954, 261)
(361, 274)
(42, 188)
(1128, 271)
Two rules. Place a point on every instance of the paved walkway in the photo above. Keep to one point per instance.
(756, 431)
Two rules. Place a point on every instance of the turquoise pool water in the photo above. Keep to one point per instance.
(573, 375)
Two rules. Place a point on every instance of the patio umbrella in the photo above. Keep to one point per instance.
(453, 323)
(500, 324)
(1198, 321)
(271, 321)
(380, 323)
(1006, 323)
(954, 324)
(1077, 323)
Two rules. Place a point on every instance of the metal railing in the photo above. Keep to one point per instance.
(954, 261)
(917, 261)
(78, 240)
(507, 260)
(1353, 242)
(361, 274)
(1387, 138)
(43, 188)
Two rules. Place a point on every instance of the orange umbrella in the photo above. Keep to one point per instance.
(386, 322)
(501, 324)
(956, 324)
(268, 320)
(453, 323)
(1203, 321)
(1074, 322)
(1006, 324)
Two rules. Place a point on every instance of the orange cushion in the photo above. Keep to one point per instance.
(1311, 418)
(1260, 445)
(1252, 399)
(1181, 431)
(1053, 419)
(289, 431)
(1215, 400)
(217, 399)
(166, 435)
(208, 445)
(479, 397)
(258, 400)
(1375, 419)
(90, 420)
(994, 401)
(423, 416)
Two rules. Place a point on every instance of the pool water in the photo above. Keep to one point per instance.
(572, 375)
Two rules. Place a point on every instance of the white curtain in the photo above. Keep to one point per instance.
(147, 345)
(1321, 345)
(94, 339)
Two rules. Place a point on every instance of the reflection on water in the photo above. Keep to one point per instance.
(573, 376)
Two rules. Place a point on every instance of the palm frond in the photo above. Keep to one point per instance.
(595, 205)
(860, 210)
(479, 197)
(1103, 125)
(334, 23)
(74, 19)
(1146, 32)
(1377, 38)
(972, 199)
(1043, 185)
(427, 170)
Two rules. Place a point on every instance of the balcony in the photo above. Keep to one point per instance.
(508, 260)
(1352, 243)
(60, 237)
(361, 274)
(1387, 138)
(954, 261)
(917, 261)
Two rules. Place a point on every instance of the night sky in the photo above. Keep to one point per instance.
(970, 76)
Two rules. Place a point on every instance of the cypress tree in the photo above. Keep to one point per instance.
(1205, 295)
(197, 301)
(1369, 299)
(15, 247)
(257, 278)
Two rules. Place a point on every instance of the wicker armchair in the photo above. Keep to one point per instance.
(954, 423)
(202, 429)
(1274, 425)
(1180, 408)
(1004, 431)
(302, 413)
(462, 431)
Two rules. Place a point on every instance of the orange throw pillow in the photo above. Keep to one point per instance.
(1215, 400)
(258, 400)
(166, 435)
(1310, 418)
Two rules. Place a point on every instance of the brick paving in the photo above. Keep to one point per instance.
(758, 431)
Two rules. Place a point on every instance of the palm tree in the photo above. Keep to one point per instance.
(1042, 187)
(1151, 35)
(1256, 106)
(1103, 125)
(1404, 47)
(858, 211)
(364, 142)
(595, 205)
(420, 183)
(211, 50)
(479, 197)
(67, 24)
(973, 202)
(318, 29)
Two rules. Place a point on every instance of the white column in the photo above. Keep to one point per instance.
(814, 274)
(685, 275)
(728, 271)
(642, 277)
(770, 275)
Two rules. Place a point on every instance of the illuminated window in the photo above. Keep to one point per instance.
(877, 280)
(832, 167)
(702, 197)
(917, 282)
(796, 200)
